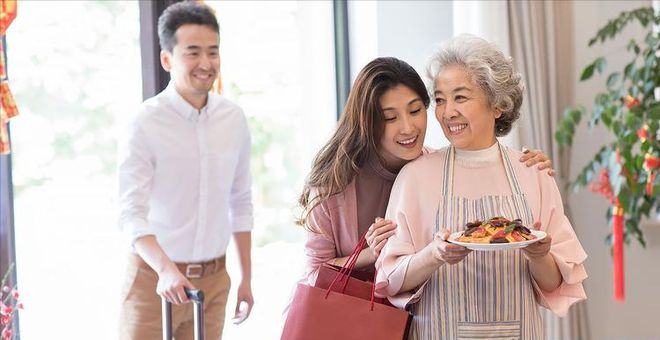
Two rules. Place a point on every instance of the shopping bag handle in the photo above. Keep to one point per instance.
(347, 269)
(349, 265)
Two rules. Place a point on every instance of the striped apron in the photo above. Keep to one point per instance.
(488, 295)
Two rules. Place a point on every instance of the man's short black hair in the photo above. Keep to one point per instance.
(182, 13)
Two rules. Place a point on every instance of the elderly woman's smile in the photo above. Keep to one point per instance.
(463, 110)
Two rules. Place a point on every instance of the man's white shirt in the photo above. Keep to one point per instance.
(184, 176)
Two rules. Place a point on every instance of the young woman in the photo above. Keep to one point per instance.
(381, 129)
(455, 293)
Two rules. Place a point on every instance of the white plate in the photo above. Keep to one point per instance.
(496, 246)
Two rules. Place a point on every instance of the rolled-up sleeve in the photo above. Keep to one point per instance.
(240, 212)
(135, 174)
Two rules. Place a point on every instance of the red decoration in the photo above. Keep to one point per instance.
(651, 164)
(9, 304)
(3, 72)
(617, 234)
(7, 106)
(630, 101)
(649, 183)
(7, 14)
(643, 133)
(7, 110)
(602, 185)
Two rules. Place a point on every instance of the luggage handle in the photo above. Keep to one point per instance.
(197, 297)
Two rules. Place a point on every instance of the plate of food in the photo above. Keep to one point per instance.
(496, 233)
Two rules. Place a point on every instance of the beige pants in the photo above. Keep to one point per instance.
(140, 317)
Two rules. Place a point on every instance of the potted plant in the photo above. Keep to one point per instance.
(625, 170)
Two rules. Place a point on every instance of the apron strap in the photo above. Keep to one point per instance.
(448, 175)
(510, 174)
(447, 189)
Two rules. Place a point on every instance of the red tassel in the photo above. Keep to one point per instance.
(649, 183)
(617, 225)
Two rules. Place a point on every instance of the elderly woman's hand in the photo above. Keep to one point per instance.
(443, 251)
(535, 156)
(378, 233)
(538, 250)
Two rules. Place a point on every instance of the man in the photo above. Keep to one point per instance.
(184, 187)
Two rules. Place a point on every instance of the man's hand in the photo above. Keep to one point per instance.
(378, 233)
(170, 285)
(443, 251)
(244, 302)
(170, 280)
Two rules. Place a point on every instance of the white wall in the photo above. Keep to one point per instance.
(408, 30)
(636, 318)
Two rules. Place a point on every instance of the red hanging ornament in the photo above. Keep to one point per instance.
(7, 110)
(7, 14)
(617, 238)
(7, 104)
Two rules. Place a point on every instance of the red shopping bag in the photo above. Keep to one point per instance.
(358, 285)
(320, 314)
(334, 313)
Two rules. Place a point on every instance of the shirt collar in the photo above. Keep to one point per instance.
(182, 107)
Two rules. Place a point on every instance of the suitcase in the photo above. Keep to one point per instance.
(197, 297)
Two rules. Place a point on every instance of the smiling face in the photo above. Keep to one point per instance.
(463, 110)
(194, 62)
(404, 126)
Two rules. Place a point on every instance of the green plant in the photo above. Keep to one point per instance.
(624, 170)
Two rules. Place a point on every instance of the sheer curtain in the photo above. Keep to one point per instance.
(537, 35)
(540, 36)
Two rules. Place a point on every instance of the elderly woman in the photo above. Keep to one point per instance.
(455, 293)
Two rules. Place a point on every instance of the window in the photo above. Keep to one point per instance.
(75, 74)
(75, 71)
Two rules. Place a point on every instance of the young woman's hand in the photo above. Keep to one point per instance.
(535, 156)
(378, 233)
(443, 251)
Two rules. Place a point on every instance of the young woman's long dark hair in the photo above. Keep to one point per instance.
(359, 132)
